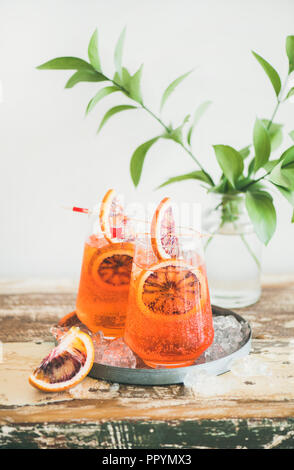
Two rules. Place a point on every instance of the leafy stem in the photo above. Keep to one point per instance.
(250, 251)
(267, 135)
(231, 209)
(279, 101)
(198, 163)
(268, 127)
(167, 129)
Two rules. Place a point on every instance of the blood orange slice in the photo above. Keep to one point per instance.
(171, 289)
(163, 231)
(111, 267)
(69, 320)
(112, 218)
(67, 364)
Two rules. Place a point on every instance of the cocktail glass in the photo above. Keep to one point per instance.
(105, 276)
(169, 317)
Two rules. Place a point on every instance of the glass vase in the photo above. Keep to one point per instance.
(232, 252)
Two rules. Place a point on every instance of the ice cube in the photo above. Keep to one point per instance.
(201, 359)
(214, 352)
(100, 344)
(228, 333)
(58, 332)
(245, 330)
(229, 336)
(118, 354)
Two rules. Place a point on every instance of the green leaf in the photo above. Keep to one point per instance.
(262, 214)
(242, 182)
(114, 110)
(119, 51)
(195, 175)
(271, 164)
(245, 152)
(288, 173)
(93, 53)
(175, 134)
(198, 114)
(172, 87)
(85, 76)
(288, 156)
(135, 86)
(126, 78)
(290, 93)
(289, 195)
(290, 52)
(221, 188)
(258, 186)
(283, 173)
(292, 220)
(137, 160)
(291, 134)
(230, 162)
(101, 94)
(275, 133)
(277, 177)
(66, 63)
(262, 145)
(117, 79)
(271, 73)
(251, 167)
(186, 118)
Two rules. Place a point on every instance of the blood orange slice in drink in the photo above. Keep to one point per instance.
(110, 267)
(67, 364)
(112, 218)
(171, 289)
(163, 231)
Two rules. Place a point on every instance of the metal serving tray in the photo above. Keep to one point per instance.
(171, 376)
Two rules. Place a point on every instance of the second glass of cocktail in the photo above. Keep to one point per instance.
(169, 318)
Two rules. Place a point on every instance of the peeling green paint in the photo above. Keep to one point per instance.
(222, 434)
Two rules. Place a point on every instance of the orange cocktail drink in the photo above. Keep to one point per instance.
(105, 275)
(104, 285)
(169, 319)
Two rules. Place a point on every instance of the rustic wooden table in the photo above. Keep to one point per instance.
(255, 412)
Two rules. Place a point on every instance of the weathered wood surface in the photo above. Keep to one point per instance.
(242, 412)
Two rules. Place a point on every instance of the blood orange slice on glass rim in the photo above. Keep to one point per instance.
(67, 364)
(113, 221)
(172, 289)
(164, 241)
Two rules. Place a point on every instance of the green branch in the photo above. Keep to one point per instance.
(167, 129)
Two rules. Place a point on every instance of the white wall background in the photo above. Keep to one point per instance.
(50, 153)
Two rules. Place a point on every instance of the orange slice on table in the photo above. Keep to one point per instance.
(112, 218)
(163, 231)
(111, 266)
(171, 289)
(67, 364)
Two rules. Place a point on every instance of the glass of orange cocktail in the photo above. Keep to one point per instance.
(106, 268)
(169, 319)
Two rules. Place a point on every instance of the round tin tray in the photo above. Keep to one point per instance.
(175, 375)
